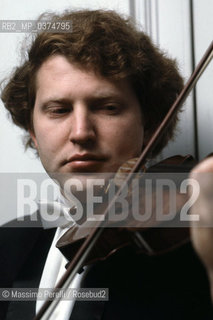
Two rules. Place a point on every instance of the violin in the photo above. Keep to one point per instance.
(142, 235)
(85, 249)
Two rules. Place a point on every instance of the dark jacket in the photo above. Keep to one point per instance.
(170, 286)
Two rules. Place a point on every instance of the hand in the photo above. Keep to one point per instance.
(202, 231)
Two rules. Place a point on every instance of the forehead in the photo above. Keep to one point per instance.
(57, 75)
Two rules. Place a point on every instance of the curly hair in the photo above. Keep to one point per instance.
(110, 45)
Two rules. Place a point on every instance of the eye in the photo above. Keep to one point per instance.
(58, 110)
(111, 107)
(108, 109)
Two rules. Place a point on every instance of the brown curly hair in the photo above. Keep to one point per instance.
(111, 46)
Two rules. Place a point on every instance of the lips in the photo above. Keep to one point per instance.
(85, 157)
(85, 162)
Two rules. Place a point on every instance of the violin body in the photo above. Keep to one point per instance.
(150, 237)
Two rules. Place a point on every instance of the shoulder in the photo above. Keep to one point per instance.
(17, 241)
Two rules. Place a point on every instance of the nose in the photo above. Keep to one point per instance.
(83, 127)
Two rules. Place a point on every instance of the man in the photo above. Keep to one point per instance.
(89, 101)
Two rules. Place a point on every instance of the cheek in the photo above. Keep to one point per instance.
(48, 136)
(128, 139)
(131, 143)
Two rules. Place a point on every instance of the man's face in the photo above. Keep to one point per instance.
(82, 121)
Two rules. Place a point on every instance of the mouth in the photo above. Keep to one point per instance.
(82, 162)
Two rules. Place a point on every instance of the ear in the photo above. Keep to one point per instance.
(33, 137)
